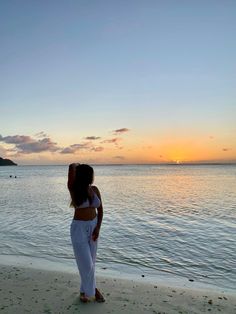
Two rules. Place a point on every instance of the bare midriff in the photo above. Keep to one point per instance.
(87, 213)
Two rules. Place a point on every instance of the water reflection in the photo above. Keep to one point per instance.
(178, 219)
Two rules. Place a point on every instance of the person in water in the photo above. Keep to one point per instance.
(85, 227)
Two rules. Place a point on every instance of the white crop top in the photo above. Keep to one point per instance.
(95, 202)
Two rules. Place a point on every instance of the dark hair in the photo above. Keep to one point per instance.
(79, 191)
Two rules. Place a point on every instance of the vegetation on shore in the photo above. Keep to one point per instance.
(7, 162)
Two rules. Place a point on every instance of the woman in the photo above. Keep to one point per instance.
(85, 227)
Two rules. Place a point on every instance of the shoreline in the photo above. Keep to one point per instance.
(102, 270)
(28, 290)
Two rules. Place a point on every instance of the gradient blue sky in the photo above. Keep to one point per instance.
(165, 70)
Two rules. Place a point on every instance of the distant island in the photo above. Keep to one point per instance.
(7, 162)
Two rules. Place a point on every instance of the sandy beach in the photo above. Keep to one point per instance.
(26, 290)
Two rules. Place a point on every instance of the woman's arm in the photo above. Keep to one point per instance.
(100, 215)
(71, 175)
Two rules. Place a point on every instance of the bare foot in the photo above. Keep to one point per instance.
(98, 296)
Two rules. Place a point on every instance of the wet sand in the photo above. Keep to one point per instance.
(26, 290)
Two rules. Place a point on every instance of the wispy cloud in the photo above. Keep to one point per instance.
(3, 151)
(118, 131)
(119, 157)
(73, 149)
(68, 150)
(81, 146)
(98, 149)
(226, 149)
(114, 140)
(41, 134)
(92, 138)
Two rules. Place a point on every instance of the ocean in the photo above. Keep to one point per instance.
(161, 222)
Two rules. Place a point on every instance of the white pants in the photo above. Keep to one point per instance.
(85, 250)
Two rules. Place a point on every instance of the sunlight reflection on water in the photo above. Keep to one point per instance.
(175, 219)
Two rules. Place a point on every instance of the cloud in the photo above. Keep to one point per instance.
(114, 140)
(3, 151)
(123, 130)
(72, 149)
(37, 146)
(92, 138)
(211, 137)
(81, 146)
(75, 147)
(41, 134)
(16, 139)
(68, 150)
(27, 145)
(98, 149)
(119, 157)
(226, 149)
(24, 144)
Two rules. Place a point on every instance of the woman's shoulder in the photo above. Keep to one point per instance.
(96, 190)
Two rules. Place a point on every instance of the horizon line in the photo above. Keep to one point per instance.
(143, 164)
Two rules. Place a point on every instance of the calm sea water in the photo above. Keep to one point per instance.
(178, 221)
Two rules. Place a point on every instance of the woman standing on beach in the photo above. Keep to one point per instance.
(85, 227)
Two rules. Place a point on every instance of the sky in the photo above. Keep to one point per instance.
(126, 81)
